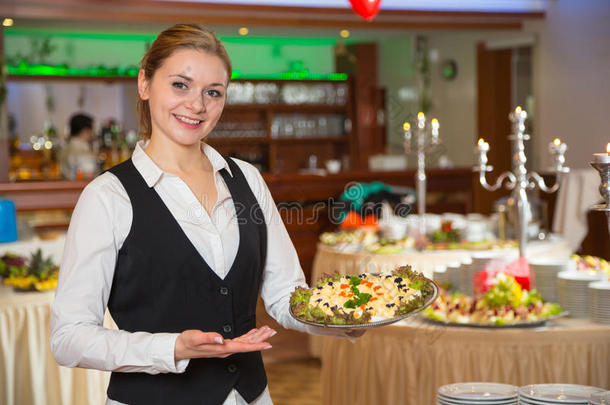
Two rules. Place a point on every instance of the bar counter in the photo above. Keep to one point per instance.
(449, 190)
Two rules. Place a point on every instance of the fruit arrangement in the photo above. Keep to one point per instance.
(506, 303)
(36, 273)
(591, 263)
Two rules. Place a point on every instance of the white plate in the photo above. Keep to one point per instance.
(601, 286)
(478, 392)
(601, 398)
(557, 393)
(578, 276)
(442, 401)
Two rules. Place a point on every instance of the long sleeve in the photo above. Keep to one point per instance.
(87, 269)
(282, 273)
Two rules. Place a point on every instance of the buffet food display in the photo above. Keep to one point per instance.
(456, 233)
(36, 273)
(370, 299)
(591, 264)
(505, 304)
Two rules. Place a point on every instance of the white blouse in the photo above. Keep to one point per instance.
(100, 223)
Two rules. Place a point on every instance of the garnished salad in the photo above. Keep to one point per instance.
(353, 300)
(505, 303)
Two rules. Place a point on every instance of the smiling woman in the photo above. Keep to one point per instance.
(177, 242)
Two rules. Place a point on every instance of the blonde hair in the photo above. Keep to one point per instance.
(180, 36)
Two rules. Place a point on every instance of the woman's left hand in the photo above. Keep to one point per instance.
(255, 335)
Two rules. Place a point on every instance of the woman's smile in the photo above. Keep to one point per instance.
(191, 123)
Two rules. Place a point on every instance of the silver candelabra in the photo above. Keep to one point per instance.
(601, 163)
(424, 141)
(519, 180)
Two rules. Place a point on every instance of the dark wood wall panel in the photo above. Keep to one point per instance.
(493, 107)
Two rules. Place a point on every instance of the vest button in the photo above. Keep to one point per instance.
(224, 291)
(227, 328)
(231, 368)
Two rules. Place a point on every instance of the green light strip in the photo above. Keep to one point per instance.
(79, 35)
(64, 71)
(9, 32)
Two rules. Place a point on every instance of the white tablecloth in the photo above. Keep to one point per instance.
(29, 374)
(407, 364)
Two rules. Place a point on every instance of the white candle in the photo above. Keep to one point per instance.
(407, 142)
(407, 128)
(602, 157)
(435, 125)
(482, 146)
(421, 120)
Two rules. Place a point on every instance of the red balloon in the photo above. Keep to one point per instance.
(366, 9)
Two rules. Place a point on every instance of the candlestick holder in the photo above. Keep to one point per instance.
(519, 180)
(426, 139)
(604, 188)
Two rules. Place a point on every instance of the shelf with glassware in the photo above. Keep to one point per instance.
(285, 126)
(265, 119)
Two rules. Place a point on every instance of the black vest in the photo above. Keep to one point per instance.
(162, 284)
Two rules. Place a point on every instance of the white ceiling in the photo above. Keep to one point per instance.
(446, 5)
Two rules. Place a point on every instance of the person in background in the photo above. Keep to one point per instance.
(177, 242)
(77, 159)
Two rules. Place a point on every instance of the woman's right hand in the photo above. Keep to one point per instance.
(192, 343)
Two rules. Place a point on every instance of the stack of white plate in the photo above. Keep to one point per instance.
(477, 393)
(544, 271)
(573, 291)
(550, 394)
(599, 299)
(453, 274)
(466, 276)
(439, 274)
(600, 398)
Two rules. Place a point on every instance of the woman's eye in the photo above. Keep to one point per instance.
(214, 93)
(180, 85)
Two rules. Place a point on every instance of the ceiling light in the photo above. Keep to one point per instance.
(344, 33)
(243, 31)
(7, 22)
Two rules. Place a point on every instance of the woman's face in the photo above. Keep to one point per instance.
(186, 95)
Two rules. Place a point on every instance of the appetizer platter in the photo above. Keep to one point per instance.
(505, 304)
(389, 246)
(488, 244)
(363, 301)
(354, 237)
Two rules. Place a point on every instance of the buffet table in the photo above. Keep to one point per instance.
(329, 260)
(28, 371)
(406, 364)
